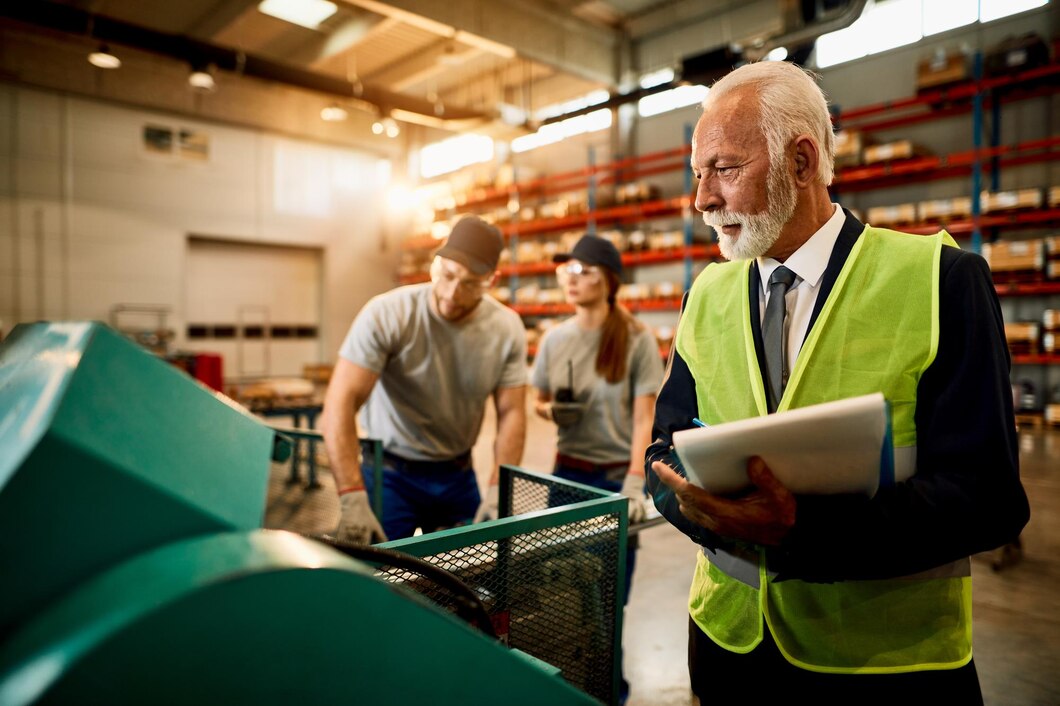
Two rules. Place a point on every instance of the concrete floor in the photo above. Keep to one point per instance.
(1016, 610)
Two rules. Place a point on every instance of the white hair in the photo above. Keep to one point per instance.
(791, 104)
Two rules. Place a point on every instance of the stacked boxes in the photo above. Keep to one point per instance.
(1018, 257)
(902, 149)
(941, 69)
(992, 202)
(1023, 337)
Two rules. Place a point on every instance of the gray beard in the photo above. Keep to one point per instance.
(758, 231)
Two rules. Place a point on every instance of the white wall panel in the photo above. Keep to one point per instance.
(107, 223)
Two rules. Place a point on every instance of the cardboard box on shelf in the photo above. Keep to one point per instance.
(666, 240)
(1052, 269)
(1052, 413)
(993, 201)
(957, 207)
(941, 68)
(1022, 336)
(1052, 246)
(616, 238)
(1054, 196)
(848, 147)
(1004, 256)
(527, 294)
(901, 149)
(633, 292)
(528, 252)
(1050, 342)
(1051, 319)
(667, 290)
(888, 215)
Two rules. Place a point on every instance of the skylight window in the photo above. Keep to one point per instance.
(455, 153)
(886, 24)
(554, 132)
(307, 13)
(670, 100)
(943, 16)
(656, 78)
(996, 9)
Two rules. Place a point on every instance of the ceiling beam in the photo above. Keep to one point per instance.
(565, 42)
(422, 64)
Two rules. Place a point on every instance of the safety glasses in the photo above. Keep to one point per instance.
(448, 277)
(574, 269)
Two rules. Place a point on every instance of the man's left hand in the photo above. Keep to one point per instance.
(487, 510)
(764, 515)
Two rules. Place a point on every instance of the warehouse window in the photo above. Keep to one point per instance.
(554, 132)
(886, 24)
(656, 78)
(455, 153)
(943, 16)
(996, 9)
(670, 100)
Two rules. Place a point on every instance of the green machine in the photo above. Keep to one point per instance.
(135, 570)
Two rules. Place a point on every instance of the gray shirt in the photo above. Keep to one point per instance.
(603, 433)
(434, 375)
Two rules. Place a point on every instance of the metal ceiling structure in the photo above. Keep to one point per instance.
(447, 64)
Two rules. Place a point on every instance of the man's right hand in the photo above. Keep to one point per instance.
(357, 524)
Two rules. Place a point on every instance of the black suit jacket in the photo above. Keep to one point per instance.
(966, 496)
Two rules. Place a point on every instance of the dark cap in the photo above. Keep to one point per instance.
(593, 250)
(475, 244)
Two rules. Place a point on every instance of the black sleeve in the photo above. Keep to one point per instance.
(675, 407)
(966, 496)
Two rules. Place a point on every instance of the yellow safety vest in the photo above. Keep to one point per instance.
(878, 332)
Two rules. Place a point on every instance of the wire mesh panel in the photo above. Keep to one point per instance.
(550, 576)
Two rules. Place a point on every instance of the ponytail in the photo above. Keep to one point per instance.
(613, 355)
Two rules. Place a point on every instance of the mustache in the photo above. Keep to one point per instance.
(717, 219)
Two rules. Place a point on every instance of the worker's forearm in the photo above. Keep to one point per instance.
(508, 447)
(344, 451)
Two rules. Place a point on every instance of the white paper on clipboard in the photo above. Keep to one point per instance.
(834, 447)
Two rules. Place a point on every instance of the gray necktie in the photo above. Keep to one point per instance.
(773, 336)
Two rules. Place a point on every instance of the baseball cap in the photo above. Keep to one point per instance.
(593, 250)
(475, 244)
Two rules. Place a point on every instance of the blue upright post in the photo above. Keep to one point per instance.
(590, 227)
(688, 212)
(977, 142)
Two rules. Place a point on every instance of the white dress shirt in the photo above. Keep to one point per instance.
(808, 263)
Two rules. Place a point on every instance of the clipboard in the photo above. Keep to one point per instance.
(843, 446)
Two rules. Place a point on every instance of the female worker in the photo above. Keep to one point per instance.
(596, 376)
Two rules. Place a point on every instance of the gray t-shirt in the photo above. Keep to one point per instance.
(603, 433)
(434, 376)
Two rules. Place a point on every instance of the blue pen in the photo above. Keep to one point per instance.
(699, 422)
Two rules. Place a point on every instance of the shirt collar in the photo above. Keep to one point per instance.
(810, 260)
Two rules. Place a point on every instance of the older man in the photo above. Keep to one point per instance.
(422, 361)
(840, 598)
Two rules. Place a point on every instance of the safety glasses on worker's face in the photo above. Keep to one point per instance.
(447, 276)
(574, 269)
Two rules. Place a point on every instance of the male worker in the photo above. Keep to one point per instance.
(838, 598)
(437, 352)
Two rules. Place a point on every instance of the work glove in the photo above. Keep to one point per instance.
(633, 488)
(357, 524)
(488, 509)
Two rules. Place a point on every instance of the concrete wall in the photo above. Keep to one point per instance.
(90, 220)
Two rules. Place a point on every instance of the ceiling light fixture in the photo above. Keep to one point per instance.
(334, 113)
(391, 126)
(201, 79)
(103, 58)
(378, 128)
(305, 13)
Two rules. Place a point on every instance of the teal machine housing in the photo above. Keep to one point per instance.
(135, 569)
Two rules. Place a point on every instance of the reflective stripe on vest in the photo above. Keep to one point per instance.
(877, 332)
